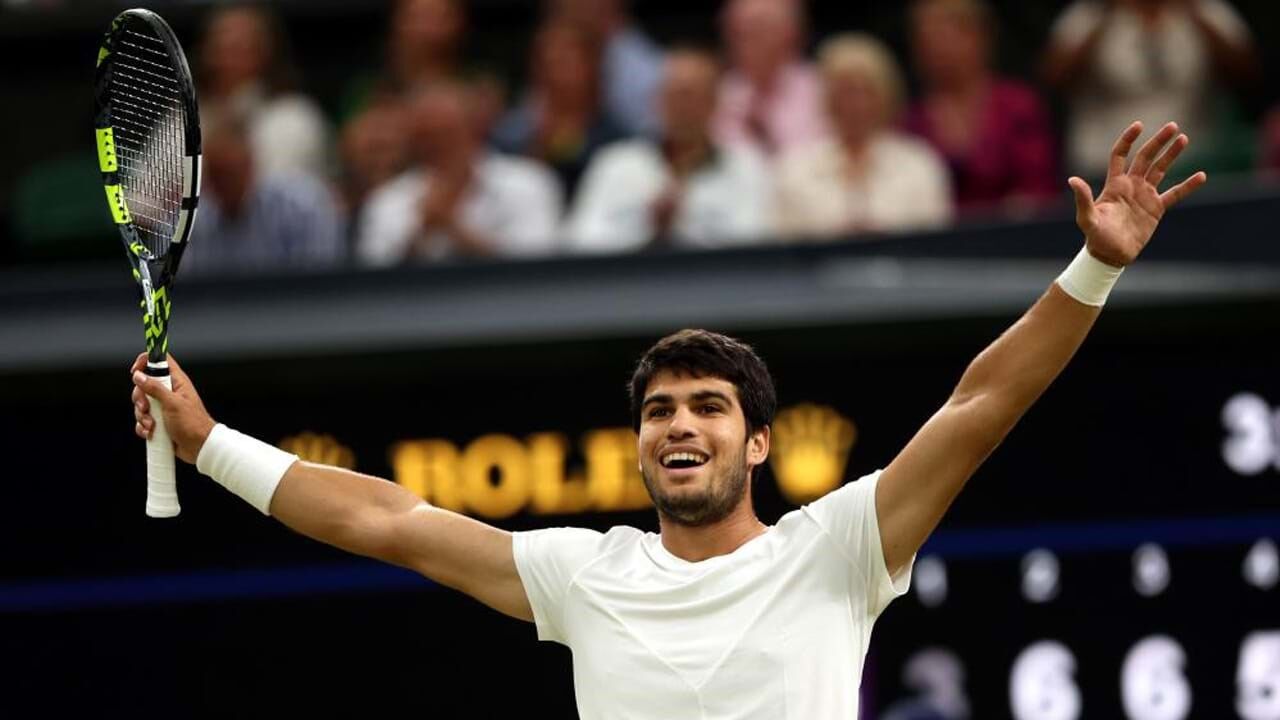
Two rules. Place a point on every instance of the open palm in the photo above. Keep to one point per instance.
(1120, 222)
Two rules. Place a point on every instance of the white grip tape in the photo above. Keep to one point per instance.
(1088, 279)
(162, 490)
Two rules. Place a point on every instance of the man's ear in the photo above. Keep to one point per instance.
(758, 446)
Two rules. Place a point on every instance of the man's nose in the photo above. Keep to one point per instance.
(682, 423)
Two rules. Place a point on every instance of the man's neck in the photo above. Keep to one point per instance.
(685, 153)
(422, 68)
(855, 145)
(459, 162)
(695, 544)
(574, 105)
(233, 202)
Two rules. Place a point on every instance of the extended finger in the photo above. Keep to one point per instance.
(1120, 151)
(138, 363)
(1151, 148)
(1083, 195)
(1157, 172)
(1175, 194)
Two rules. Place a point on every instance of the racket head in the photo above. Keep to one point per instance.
(147, 127)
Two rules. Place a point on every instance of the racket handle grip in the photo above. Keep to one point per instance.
(162, 489)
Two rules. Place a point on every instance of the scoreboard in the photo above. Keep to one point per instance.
(1115, 558)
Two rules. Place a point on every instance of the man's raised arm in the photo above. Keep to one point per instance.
(357, 513)
(916, 489)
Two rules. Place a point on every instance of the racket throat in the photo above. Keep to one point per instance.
(148, 290)
(148, 296)
(155, 302)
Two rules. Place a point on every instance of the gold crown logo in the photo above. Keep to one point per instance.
(322, 449)
(811, 445)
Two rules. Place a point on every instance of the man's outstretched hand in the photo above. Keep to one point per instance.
(1118, 225)
(186, 419)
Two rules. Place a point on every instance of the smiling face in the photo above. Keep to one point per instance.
(695, 453)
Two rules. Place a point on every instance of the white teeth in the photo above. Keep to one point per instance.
(686, 456)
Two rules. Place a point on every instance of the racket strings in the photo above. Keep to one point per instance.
(147, 116)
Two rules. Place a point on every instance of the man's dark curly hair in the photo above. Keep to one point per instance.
(701, 353)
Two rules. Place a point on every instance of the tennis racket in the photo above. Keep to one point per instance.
(148, 133)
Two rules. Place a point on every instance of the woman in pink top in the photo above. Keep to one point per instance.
(994, 133)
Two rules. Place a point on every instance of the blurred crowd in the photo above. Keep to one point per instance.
(617, 144)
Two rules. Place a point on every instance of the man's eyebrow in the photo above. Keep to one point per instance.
(659, 398)
(700, 396)
(712, 395)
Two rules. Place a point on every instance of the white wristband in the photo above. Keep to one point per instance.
(246, 466)
(1088, 279)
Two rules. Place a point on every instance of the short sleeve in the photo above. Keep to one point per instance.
(388, 222)
(547, 561)
(611, 213)
(848, 515)
(533, 205)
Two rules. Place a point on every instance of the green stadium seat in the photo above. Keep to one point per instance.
(59, 213)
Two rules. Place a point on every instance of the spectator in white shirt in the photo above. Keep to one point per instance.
(1149, 60)
(460, 200)
(868, 176)
(245, 70)
(684, 190)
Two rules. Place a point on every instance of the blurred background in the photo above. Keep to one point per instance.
(435, 234)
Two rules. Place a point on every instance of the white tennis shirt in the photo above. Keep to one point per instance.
(776, 629)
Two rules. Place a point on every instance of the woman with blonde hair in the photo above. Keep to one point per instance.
(867, 176)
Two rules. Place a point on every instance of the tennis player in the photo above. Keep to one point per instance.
(718, 615)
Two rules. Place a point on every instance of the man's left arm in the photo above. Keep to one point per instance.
(998, 387)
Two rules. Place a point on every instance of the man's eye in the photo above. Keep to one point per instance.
(658, 412)
(710, 409)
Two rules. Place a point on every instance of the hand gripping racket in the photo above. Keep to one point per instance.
(148, 132)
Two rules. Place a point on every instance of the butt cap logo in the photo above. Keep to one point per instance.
(811, 445)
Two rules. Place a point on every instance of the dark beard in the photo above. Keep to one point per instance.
(705, 508)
